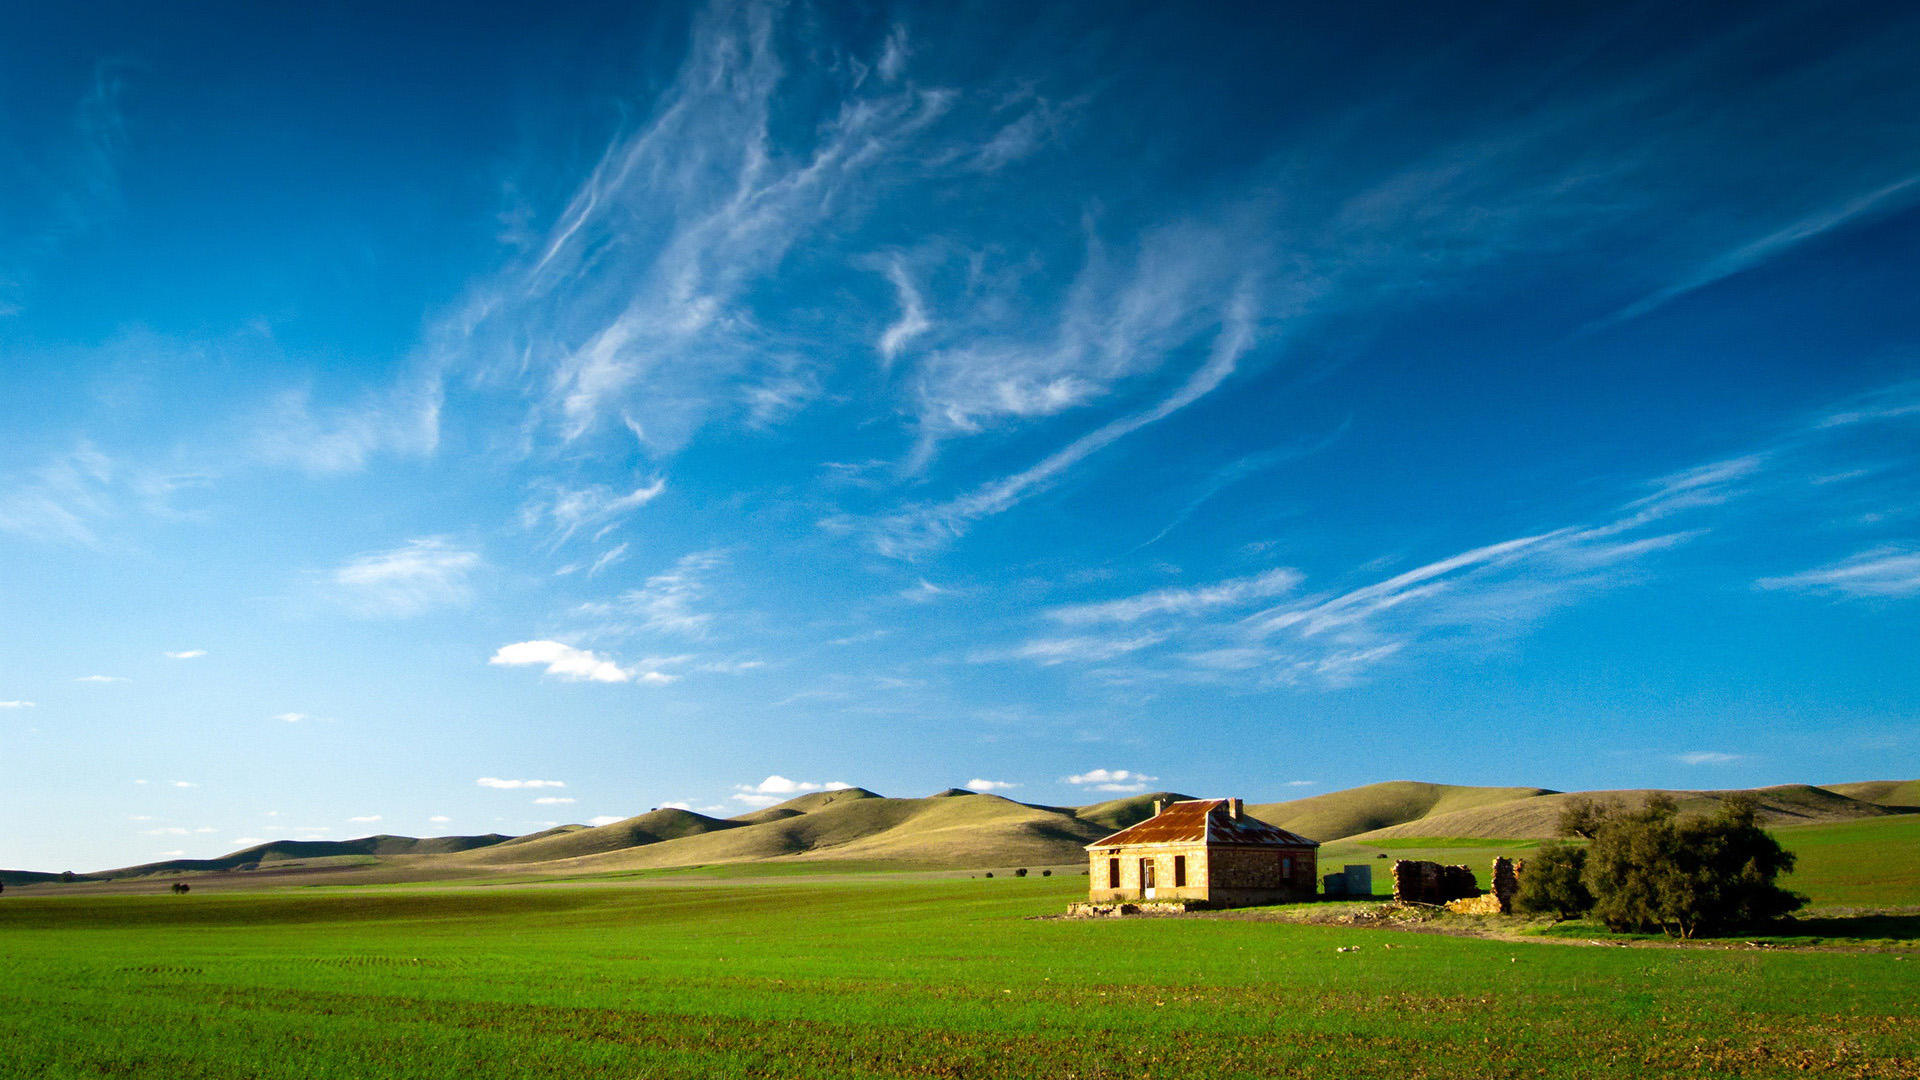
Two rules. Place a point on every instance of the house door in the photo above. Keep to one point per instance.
(1146, 879)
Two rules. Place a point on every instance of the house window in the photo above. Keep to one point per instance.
(1286, 866)
(1113, 873)
(1179, 871)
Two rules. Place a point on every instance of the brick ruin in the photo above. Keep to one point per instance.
(1499, 899)
(1418, 882)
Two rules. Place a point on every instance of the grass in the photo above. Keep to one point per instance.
(1874, 862)
(868, 977)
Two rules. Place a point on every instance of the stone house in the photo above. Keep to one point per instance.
(1206, 851)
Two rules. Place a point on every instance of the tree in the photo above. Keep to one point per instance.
(1652, 869)
(1552, 883)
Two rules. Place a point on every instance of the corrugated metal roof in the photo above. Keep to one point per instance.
(1197, 821)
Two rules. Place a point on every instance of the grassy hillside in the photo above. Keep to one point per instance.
(970, 830)
(1376, 806)
(1904, 794)
(648, 828)
(872, 978)
(1117, 814)
(1538, 817)
(284, 851)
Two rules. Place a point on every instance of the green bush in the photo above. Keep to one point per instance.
(1552, 883)
(1650, 869)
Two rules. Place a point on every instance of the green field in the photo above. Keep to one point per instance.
(866, 976)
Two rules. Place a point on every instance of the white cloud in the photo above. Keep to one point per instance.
(567, 510)
(513, 785)
(408, 580)
(553, 800)
(1271, 583)
(1879, 573)
(102, 678)
(169, 830)
(667, 601)
(913, 314)
(990, 785)
(1302, 783)
(566, 662)
(185, 783)
(604, 819)
(924, 592)
(780, 785)
(291, 717)
(439, 819)
(188, 654)
(367, 820)
(1118, 780)
(1085, 650)
(172, 854)
(1708, 757)
(402, 419)
(756, 800)
(16, 705)
(247, 841)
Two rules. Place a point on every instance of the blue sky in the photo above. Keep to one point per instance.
(471, 420)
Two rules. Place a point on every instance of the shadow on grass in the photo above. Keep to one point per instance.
(1866, 926)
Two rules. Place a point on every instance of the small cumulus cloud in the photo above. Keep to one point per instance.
(990, 785)
(175, 854)
(553, 800)
(408, 580)
(367, 820)
(185, 783)
(564, 661)
(603, 819)
(187, 654)
(169, 830)
(514, 785)
(102, 678)
(1112, 780)
(247, 841)
(780, 785)
(16, 705)
(439, 819)
(291, 717)
(1709, 757)
(1302, 783)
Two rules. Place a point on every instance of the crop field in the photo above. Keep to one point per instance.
(863, 976)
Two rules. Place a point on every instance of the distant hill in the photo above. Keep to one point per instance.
(1538, 817)
(957, 828)
(283, 851)
(1903, 794)
(1377, 806)
(573, 842)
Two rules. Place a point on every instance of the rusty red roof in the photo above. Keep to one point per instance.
(1198, 821)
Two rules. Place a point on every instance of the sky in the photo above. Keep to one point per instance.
(463, 418)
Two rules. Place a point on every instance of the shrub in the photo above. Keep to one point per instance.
(1022, 872)
(1046, 873)
(1649, 869)
(989, 873)
(1551, 884)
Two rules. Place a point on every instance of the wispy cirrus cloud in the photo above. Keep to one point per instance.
(186, 654)
(1878, 573)
(416, 577)
(16, 704)
(514, 785)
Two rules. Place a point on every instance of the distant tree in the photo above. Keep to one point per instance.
(1022, 872)
(1583, 817)
(1046, 873)
(1551, 883)
(68, 875)
(989, 873)
(1650, 869)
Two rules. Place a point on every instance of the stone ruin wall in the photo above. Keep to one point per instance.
(1419, 882)
(1498, 900)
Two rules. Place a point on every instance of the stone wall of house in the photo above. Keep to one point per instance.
(1418, 882)
(1223, 875)
(1099, 867)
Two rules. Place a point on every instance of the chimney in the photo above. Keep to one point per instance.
(1233, 809)
(1158, 806)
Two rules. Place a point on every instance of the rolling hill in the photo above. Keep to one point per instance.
(960, 829)
(1538, 816)
(1377, 806)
